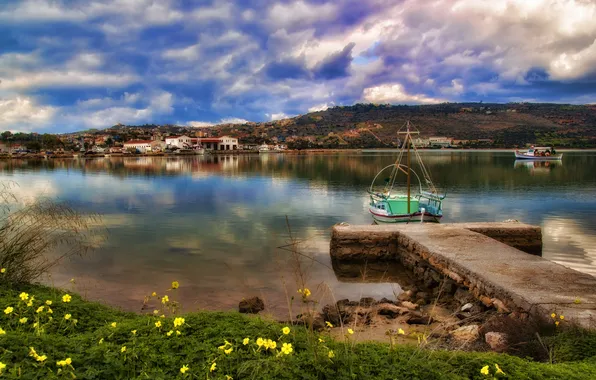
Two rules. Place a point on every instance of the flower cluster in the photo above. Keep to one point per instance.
(486, 370)
(64, 363)
(560, 317)
(39, 358)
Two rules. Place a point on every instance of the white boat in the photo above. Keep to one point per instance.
(264, 148)
(540, 153)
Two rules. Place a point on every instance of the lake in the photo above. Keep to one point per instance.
(215, 223)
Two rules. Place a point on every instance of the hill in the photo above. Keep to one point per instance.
(370, 125)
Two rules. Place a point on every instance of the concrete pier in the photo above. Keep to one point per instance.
(484, 258)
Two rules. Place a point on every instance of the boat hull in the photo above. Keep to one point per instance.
(554, 157)
(404, 218)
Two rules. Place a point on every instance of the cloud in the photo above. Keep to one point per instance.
(335, 65)
(24, 114)
(66, 79)
(277, 116)
(321, 107)
(233, 120)
(394, 93)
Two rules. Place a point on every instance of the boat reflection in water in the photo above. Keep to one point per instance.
(537, 167)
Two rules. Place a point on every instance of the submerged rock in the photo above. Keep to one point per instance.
(251, 306)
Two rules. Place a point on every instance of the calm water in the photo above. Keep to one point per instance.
(215, 223)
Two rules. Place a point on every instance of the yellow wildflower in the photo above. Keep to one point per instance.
(350, 331)
(553, 315)
(155, 311)
(123, 349)
(8, 310)
(41, 358)
(557, 323)
(272, 344)
(499, 370)
(65, 362)
(175, 285)
(153, 294)
(561, 317)
(158, 324)
(178, 322)
(260, 342)
(178, 332)
(484, 370)
(321, 340)
(306, 292)
(401, 331)
(48, 302)
(39, 309)
(2, 332)
(50, 311)
(184, 369)
(245, 341)
(577, 301)
(114, 324)
(286, 330)
(23, 320)
(165, 299)
(229, 350)
(169, 333)
(286, 348)
(24, 296)
(3, 270)
(35, 324)
(328, 324)
(30, 303)
(228, 377)
(331, 354)
(2, 365)
(134, 332)
(162, 316)
(213, 367)
(101, 341)
(66, 298)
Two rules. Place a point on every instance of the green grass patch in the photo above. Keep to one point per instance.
(98, 350)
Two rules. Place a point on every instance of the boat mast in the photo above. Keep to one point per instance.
(408, 137)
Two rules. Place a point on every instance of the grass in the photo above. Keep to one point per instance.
(151, 354)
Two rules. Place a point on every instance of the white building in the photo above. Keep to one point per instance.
(181, 142)
(440, 141)
(219, 143)
(142, 146)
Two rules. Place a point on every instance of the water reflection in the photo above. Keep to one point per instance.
(214, 222)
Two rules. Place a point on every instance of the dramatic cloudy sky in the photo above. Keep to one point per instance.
(69, 64)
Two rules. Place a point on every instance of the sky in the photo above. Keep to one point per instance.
(67, 65)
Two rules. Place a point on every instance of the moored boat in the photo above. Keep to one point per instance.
(389, 205)
(538, 154)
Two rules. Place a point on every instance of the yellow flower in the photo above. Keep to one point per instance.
(272, 344)
(123, 349)
(553, 315)
(228, 377)
(350, 331)
(2, 365)
(48, 302)
(260, 342)
(24, 296)
(39, 309)
(114, 324)
(134, 332)
(213, 367)
(155, 311)
(23, 320)
(184, 369)
(165, 299)
(178, 322)
(153, 294)
(101, 341)
(41, 358)
(35, 324)
(65, 362)
(499, 370)
(577, 301)
(229, 350)
(169, 333)
(484, 370)
(30, 303)
(8, 310)
(2, 332)
(175, 285)
(286, 330)
(328, 324)
(50, 311)
(331, 354)
(557, 323)
(286, 348)
(561, 317)
(3, 270)
(158, 324)
(66, 298)
(178, 332)
(402, 332)
(245, 341)
(162, 316)
(321, 340)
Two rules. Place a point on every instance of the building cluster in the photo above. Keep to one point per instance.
(182, 143)
(449, 142)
